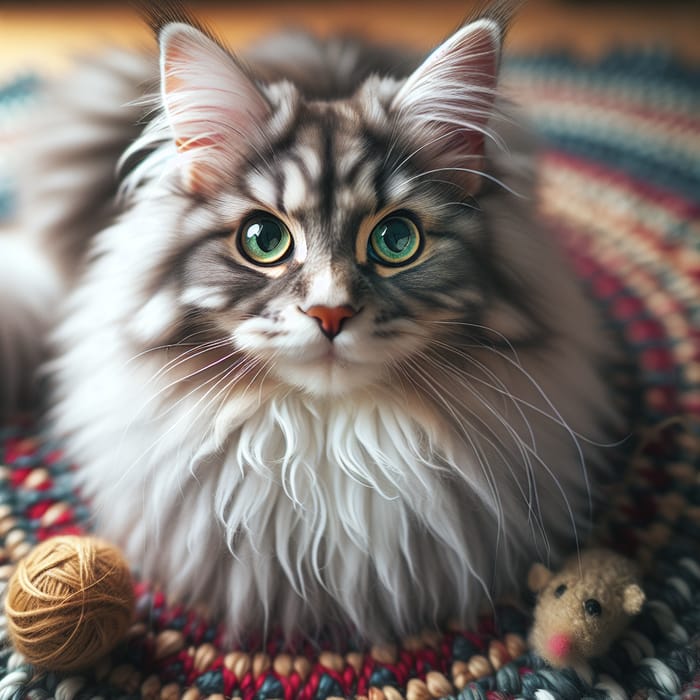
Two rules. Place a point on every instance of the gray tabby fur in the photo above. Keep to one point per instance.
(408, 472)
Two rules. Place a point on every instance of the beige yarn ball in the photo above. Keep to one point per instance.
(69, 602)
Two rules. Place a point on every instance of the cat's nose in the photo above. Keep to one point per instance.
(330, 318)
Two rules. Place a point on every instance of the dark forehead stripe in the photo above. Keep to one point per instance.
(328, 169)
(265, 158)
(350, 179)
(379, 146)
(280, 183)
(323, 129)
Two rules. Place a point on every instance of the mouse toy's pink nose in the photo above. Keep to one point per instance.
(559, 646)
(330, 318)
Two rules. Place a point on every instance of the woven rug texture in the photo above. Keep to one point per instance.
(619, 184)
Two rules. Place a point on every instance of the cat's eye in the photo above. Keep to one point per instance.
(395, 241)
(265, 240)
(560, 590)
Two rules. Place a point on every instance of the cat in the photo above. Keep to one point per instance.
(315, 359)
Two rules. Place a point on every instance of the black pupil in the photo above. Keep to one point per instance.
(593, 607)
(560, 590)
(267, 234)
(396, 235)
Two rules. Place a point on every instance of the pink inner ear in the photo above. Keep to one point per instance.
(448, 101)
(479, 51)
(478, 69)
(185, 145)
(214, 109)
(171, 81)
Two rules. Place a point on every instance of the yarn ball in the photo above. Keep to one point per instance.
(69, 602)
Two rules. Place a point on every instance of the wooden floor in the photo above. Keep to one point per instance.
(43, 36)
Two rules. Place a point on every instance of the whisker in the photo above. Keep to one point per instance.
(168, 346)
(518, 365)
(222, 376)
(171, 407)
(532, 497)
(466, 434)
(226, 390)
(153, 397)
(198, 350)
(499, 387)
(416, 151)
(534, 455)
(486, 470)
(472, 171)
(480, 327)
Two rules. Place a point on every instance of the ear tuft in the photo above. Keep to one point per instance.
(164, 12)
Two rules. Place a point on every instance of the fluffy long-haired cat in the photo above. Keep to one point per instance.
(316, 361)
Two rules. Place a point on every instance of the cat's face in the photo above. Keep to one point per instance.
(336, 263)
(334, 240)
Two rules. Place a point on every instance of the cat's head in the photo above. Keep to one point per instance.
(330, 240)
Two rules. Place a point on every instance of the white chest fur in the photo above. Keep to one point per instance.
(276, 508)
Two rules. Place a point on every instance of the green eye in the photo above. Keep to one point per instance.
(395, 241)
(265, 240)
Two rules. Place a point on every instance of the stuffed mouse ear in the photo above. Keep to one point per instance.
(448, 100)
(214, 108)
(633, 599)
(538, 577)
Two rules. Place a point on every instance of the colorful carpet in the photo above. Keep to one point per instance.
(620, 184)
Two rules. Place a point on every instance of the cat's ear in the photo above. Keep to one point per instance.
(446, 103)
(214, 108)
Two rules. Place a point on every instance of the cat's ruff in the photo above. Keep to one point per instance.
(363, 506)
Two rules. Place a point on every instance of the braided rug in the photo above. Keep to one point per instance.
(619, 182)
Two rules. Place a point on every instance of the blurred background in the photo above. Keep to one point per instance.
(41, 36)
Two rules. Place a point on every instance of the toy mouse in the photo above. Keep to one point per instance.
(582, 608)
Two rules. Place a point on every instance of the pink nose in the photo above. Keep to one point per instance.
(330, 318)
(559, 646)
